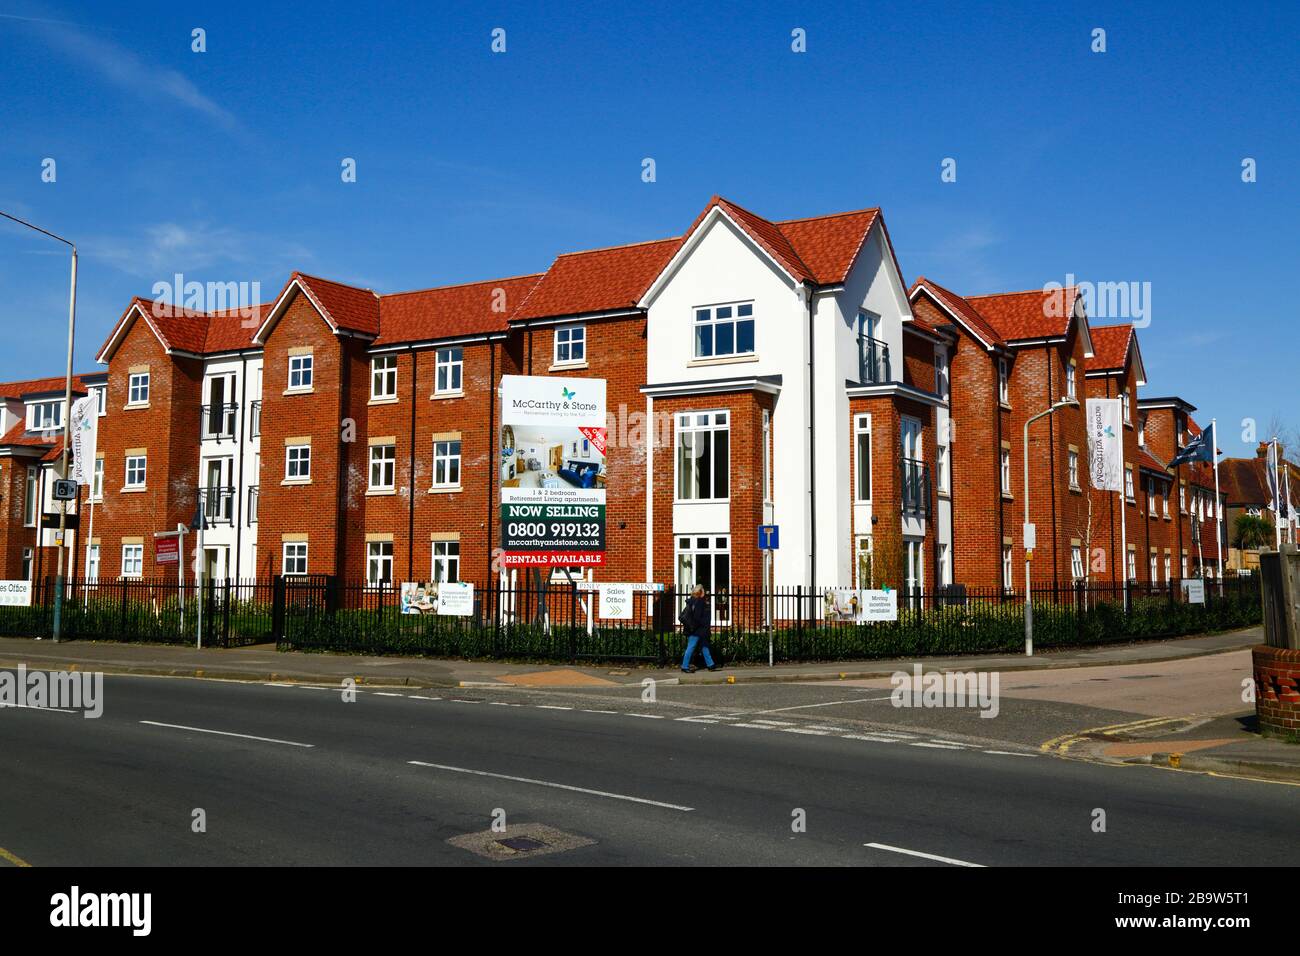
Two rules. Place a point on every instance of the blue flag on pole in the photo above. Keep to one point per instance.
(1200, 448)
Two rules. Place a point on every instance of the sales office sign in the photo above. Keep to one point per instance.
(552, 465)
(15, 593)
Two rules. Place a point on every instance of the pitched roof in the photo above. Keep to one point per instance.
(43, 386)
(347, 307)
(766, 234)
(959, 307)
(1151, 462)
(1035, 314)
(829, 245)
(1243, 482)
(474, 308)
(19, 435)
(598, 280)
(1110, 346)
(186, 330)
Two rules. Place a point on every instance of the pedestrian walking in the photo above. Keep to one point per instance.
(696, 617)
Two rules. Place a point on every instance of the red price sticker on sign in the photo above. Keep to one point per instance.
(594, 435)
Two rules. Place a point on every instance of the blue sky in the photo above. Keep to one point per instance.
(1123, 166)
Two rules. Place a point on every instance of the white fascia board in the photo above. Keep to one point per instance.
(952, 315)
(892, 389)
(280, 303)
(695, 239)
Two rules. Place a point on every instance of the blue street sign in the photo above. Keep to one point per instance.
(769, 537)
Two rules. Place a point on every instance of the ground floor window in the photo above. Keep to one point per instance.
(1132, 565)
(1076, 562)
(28, 555)
(1155, 571)
(446, 561)
(132, 560)
(379, 563)
(92, 563)
(1007, 583)
(914, 563)
(1168, 567)
(863, 562)
(295, 557)
(706, 561)
(945, 570)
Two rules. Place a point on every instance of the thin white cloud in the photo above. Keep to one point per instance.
(124, 69)
(159, 251)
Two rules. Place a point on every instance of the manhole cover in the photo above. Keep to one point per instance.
(519, 841)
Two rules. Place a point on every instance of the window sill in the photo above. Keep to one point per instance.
(299, 391)
(1076, 489)
(296, 481)
(568, 366)
(380, 492)
(438, 396)
(1008, 496)
(723, 360)
(705, 501)
(446, 490)
(132, 491)
(384, 401)
(1005, 406)
(135, 406)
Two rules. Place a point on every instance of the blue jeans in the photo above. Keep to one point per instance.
(691, 643)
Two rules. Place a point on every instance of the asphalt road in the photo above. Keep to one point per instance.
(393, 776)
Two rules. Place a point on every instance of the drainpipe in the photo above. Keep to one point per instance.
(241, 504)
(812, 443)
(410, 510)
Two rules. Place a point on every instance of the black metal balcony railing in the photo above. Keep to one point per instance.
(255, 419)
(218, 504)
(916, 487)
(251, 511)
(873, 361)
(218, 421)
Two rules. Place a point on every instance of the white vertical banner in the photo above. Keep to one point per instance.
(1106, 443)
(83, 432)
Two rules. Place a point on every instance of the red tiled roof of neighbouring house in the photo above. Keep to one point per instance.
(598, 280)
(1110, 347)
(43, 386)
(349, 307)
(1243, 481)
(829, 245)
(233, 329)
(19, 435)
(475, 308)
(1151, 462)
(961, 308)
(1035, 314)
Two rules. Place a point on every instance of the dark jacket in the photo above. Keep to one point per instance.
(699, 616)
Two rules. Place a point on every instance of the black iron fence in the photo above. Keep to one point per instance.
(561, 622)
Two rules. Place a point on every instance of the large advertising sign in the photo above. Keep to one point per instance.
(1105, 451)
(552, 465)
(84, 431)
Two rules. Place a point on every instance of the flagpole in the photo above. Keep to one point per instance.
(1218, 507)
(1277, 505)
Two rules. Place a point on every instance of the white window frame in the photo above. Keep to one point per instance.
(1072, 464)
(861, 429)
(943, 466)
(137, 389)
(1076, 562)
(1154, 569)
(445, 564)
(688, 423)
(1008, 569)
(139, 465)
(97, 481)
(447, 452)
(569, 346)
(1169, 568)
(45, 416)
(299, 457)
(707, 316)
(28, 564)
(1004, 381)
(449, 371)
(1005, 468)
(379, 557)
(1071, 386)
(302, 373)
(132, 560)
(714, 546)
(92, 563)
(1127, 409)
(383, 378)
(1132, 560)
(101, 398)
(31, 494)
(295, 552)
(384, 459)
(767, 456)
(1130, 490)
(1142, 430)
(863, 546)
(941, 372)
(913, 565)
(945, 564)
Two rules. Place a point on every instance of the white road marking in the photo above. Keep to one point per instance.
(226, 733)
(755, 726)
(384, 693)
(503, 703)
(1009, 753)
(600, 712)
(556, 786)
(61, 710)
(934, 746)
(466, 700)
(551, 707)
(308, 686)
(829, 703)
(419, 697)
(872, 737)
(775, 723)
(801, 730)
(648, 716)
(924, 856)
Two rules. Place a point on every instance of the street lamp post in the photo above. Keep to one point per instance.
(1029, 544)
(67, 416)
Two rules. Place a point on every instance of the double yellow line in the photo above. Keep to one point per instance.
(1061, 745)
